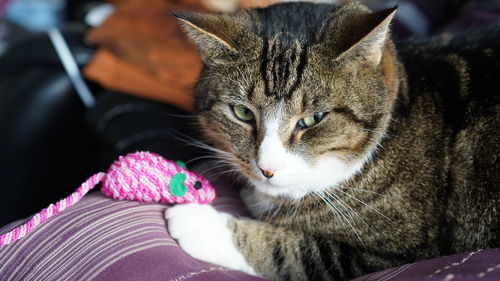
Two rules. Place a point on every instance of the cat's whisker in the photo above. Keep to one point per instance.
(199, 144)
(215, 158)
(315, 196)
(363, 190)
(264, 208)
(220, 162)
(379, 146)
(275, 209)
(191, 142)
(394, 120)
(371, 191)
(349, 209)
(167, 133)
(372, 131)
(217, 151)
(335, 210)
(367, 205)
(207, 171)
(227, 167)
(232, 171)
(190, 121)
(215, 167)
(211, 156)
(199, 158)
(320, 199)
(380, 133)
(297, 211)
(291, 214)
(180, 136)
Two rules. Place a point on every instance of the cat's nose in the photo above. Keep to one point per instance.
(269, 168)
(267, 173)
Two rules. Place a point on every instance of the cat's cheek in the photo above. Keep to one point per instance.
(202, 232)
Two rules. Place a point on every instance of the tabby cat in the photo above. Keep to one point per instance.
(362, 155)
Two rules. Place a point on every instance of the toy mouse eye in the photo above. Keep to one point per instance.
(198, 185)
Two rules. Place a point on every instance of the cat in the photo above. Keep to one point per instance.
(361, 154)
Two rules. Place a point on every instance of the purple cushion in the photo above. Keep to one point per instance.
(104, 239)
(479, 265)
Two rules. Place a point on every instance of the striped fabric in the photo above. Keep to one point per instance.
(105, 239)
(480, 265)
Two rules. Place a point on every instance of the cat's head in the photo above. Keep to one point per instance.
(297, 94)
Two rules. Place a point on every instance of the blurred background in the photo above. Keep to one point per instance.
(83, 81)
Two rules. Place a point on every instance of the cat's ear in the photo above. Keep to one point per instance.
(211, 33)
(360, 35)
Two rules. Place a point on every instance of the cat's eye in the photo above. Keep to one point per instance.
(311, 120)
(243, 113)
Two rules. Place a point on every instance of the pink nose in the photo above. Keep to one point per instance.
(269, 168)
(267, 173)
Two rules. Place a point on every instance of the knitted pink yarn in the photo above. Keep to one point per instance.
(140, 176)
(145, 177)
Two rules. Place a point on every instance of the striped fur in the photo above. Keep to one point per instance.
(421, 125)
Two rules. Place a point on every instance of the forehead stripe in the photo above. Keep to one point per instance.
(263, 67)
(300, 72)
(280, 72)
(276, 69)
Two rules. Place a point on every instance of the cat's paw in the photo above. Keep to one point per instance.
(202, 232)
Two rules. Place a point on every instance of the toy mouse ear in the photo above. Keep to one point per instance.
(212, 34)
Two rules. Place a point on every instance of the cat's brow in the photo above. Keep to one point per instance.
(235, 98)
(349, 114)
(313, 103)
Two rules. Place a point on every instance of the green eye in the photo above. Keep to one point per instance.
(311, 120)
(243, 113)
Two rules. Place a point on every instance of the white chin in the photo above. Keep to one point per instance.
(303, 180)
(279, 191)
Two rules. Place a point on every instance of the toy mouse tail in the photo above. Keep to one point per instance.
(52, 210)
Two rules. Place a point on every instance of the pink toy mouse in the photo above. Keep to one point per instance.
(139, 176)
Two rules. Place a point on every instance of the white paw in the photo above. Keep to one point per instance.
(202, 232)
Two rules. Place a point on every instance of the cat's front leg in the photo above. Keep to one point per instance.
(203, 233)
(255, 247)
